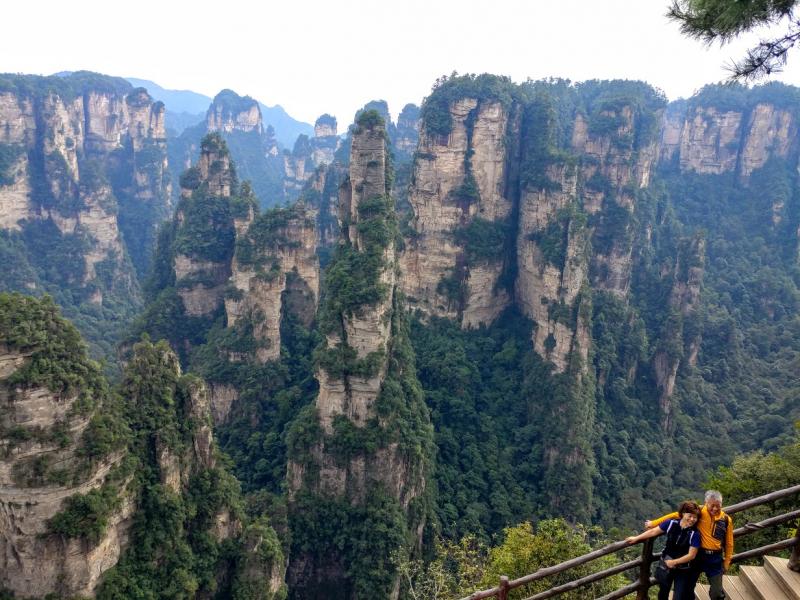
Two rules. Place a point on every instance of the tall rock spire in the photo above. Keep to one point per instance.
(364, 448)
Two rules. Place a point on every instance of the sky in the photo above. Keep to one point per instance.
(333, 56)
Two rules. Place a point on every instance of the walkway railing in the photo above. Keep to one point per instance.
(644, 581)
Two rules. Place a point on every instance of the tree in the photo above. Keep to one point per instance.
(725, 20)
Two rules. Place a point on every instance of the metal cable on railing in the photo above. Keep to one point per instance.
(644, 581)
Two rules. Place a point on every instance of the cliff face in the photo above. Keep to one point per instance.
(83, 188)
(77, 145)
(222, 254)
(298, 166)
(48, 458)
(714, 137)
(321, 199)
(204, 235)
(326, 141)
(614, 168)
(680, 341)
(363, 374)
(458, 178)
(86, 475)
(231, 112)
(276, 262)
(406, 137)
(254, 148)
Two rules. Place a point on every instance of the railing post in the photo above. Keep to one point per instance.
(503, 595)
(794, 559)
(644, 570)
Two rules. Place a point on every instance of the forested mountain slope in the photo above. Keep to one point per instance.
(116, 492)
(83, 188)
(572, 300)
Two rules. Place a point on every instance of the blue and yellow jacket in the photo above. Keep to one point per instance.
(713, 531)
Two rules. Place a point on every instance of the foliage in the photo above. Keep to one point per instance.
(463, 567)
(370, 119)
(326, 119)
(724, 21)
(67, 88)
(267, 233)
(352, 279)
(57, 357)
(86, 515)
(483, 240)
(525, 551)
(173, 551)
(206, 232)
(488, 464)
(271, 396)
(755, 474)
(435, 113)
(232, 104)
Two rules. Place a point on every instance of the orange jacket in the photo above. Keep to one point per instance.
(711, 531)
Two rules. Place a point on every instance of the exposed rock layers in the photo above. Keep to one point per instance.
(474, 151)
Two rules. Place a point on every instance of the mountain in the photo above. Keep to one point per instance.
(178, 101)
(286, 128)
(581, 302)
(191, 103)
(253, 146)
(84, 187)
(117, 492)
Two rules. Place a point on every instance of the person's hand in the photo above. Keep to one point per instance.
(631, 540)
(648, 524)
(670, 563)
(724, 570)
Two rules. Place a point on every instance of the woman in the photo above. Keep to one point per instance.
(681, 546)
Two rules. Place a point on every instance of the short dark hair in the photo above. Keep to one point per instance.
(689, 507)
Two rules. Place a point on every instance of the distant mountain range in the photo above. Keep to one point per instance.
(186, 108)
(185, 101)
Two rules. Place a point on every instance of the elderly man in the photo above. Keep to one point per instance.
(715, 528)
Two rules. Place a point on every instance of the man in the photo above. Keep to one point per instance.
(715, 528)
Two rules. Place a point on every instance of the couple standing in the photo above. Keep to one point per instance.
(699, 540)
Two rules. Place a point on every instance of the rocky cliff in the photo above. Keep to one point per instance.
(204, 234)
(680, 339)
(65, 151)
(86, 475)
(84, 167)
(721, 131)
(239, 121)
(406, 137)
(222, 258)
(52, 400)
(459, 184)
(231, 112)
(308, 154)
(326, 141)
(366, 377)
(298, 165)
(275, 263)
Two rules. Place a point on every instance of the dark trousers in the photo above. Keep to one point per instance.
(682, 580)
(711, 565)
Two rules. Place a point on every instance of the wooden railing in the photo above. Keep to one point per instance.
(644, 581)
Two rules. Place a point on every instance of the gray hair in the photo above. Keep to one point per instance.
(713, 495)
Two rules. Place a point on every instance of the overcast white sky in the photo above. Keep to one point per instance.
(317, 56)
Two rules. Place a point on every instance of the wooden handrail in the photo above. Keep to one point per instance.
(771, 497)
(644, 581)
